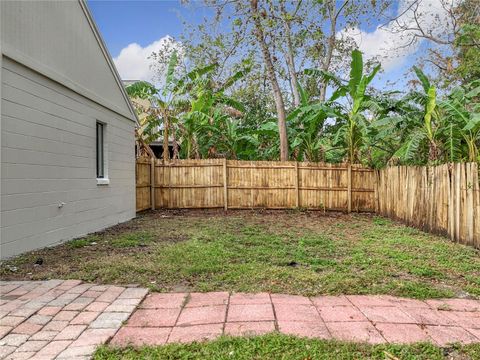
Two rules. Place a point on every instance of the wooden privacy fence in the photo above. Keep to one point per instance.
(144, 172)
(442, 199)
(232, 184)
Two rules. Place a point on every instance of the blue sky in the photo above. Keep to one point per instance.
(142, 22)
(123, 23)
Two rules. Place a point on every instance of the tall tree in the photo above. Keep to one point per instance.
(330, 45)
(289, 50)
(467, 42)
(272, 77)
(452, 31)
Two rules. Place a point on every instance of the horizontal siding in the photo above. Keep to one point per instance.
(55, 93)
(79, 228)
(29, 186)
(43, 198)
(57, 39)
(43, 219)
(48, 158)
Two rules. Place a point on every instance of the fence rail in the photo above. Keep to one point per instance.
(444, 199)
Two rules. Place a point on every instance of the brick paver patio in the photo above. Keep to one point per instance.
(58, 319)
(169, 318)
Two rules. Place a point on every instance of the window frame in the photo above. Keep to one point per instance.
(101, 153)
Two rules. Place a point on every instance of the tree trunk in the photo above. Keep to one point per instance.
(433, 152)
(326, 65)
(331, 42)
(277, 94)
(166, 153)
(289, 57)
(175, 146)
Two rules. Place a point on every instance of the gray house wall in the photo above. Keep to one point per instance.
(56, 38)
(49, 191)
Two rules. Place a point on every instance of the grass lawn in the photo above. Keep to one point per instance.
(276, 346)
(292, 252)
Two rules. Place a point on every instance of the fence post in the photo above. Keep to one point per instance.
(469, 202)
(225, 184)
(375, 193)
(458, 193)
(349, 187)
(152, 183)
(297, 189)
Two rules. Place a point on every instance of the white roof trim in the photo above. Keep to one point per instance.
(108, 58)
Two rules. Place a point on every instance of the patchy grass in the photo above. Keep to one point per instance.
(277, 346)
(132, 240)
(278, 251)
(82, 242)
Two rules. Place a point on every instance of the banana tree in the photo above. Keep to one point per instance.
(143, 95)
(208, 104)
(424, 143)
(388, 128)
(462, 112)
(161, 106)
(306, 124)
(185, 107)
(355, 127)
(352, 130)
(229, 138)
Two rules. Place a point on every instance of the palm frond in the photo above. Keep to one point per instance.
(423, 78)
(141, 90)
(356, 71)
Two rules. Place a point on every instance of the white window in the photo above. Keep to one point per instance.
(102, 178)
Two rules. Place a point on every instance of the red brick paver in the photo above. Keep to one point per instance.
(304, 329)
(154, 317)
(203, 315)
(141, 336)
(250, 312)
(69, 319)
(304, 313)
(444, 335)
(249, 328)
(362, 331)
(341, 313)
(185, 334)
(163, 301)
(207, 299)
(402, 333)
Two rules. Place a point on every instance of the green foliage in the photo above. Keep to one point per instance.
(189, 109)
(466, 43)
(232, 118)
(347, 105)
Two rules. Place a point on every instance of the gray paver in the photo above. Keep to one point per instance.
(49, 319)
(109, 320)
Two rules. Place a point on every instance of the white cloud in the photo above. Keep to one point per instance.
(134, 62)
(391, 46)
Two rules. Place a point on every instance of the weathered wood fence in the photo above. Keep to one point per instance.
(444, 199)
(232, 184)
(441, 199)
